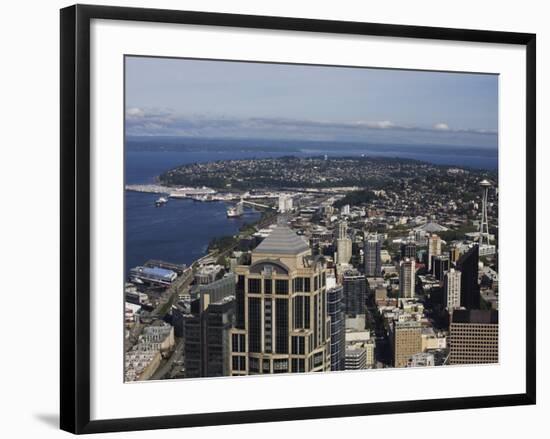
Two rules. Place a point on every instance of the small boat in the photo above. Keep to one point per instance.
(161, 202)
(236, 211)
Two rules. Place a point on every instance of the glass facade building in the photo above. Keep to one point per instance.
(355, 292)
(335, 309)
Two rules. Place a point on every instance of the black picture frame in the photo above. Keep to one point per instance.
(75, 217)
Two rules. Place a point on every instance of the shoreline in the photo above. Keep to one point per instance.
(204, 251)
(432, 155)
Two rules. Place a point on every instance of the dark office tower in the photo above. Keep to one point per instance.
(282, 322)
(473, 337)
(440, 264)
(408, 250)
(219, 289)
(468, 265)
(193, 343)
(335, 310)
(355, 292)
(373, 256)
(207, 349)
(407, 279)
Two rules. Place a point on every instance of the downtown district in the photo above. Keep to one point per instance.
(403, 277)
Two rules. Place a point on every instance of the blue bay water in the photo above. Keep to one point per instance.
(180, 231)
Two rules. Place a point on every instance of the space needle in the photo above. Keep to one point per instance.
(484, 238)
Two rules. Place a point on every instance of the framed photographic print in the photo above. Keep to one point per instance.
(250, 200)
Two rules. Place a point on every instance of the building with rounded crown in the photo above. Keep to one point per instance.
(282, 323)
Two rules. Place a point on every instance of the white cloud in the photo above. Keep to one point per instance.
(135, 112)
(154, 121)
(382, 124)
(441, 126)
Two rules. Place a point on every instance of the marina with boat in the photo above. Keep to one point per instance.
(235, 211)
(259, 199)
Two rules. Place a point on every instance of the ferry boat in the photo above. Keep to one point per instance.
(235, 211)
(161, 202)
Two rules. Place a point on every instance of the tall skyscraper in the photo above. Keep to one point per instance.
(434, 248)
(408, 250)
(440, 264)
(407, 278)
(343, 243)
(373, 258)
(407, 341)
(281, 317)
(342, 230)
(335, 310)
(451, 290)
(474, 337)
(468, 264)
(454, 254)
(420, 237)
(207, 349)
(355, 292)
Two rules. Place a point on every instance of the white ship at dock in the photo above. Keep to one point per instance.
(161, 201)
(200, 193)
(235, 211)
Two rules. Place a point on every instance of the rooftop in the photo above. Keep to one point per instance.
(475, 316)
(283, 240)
(155, 271)
(432, 227)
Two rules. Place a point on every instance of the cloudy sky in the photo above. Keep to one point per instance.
(178, 97)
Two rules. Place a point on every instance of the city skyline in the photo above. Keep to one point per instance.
(203, 98)
(251, 257)
(325, 278)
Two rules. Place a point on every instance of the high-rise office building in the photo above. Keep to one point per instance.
(434, 248)
(335, 310)
(420, 237)
(454, 254)
(373, 258)
(207, 350)
(451, 290)
(407, 341)
(220, 288)
(468, 264)
(440, 265)
(342, 230)
(281, 316)
(408, 250)
(407, 278)
(343, 244)
(355, 292)
(473, 337)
